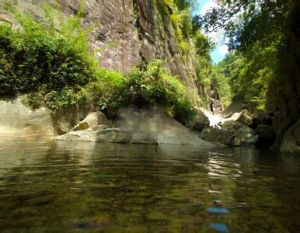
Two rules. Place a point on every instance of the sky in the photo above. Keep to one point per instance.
(220, 51)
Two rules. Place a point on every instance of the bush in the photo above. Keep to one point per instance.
(39, 58)
(148, 85)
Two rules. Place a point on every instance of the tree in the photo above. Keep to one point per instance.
(267, 35)
(249, 21)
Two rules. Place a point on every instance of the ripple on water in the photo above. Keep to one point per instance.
(87, 187)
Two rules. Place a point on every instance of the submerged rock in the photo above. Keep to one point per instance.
(291, 140)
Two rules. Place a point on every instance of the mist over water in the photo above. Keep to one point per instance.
(16, 119)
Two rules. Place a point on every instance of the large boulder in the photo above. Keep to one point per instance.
(266, 136)
(65, 119)
(200, 122)
(291, 140)
(231, 133)
(237, 105)
(245, 118)
(108, 135)
(155, 125)
(232, 126)
(244, 136)
(217, 135)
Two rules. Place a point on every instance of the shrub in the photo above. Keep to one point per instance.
(148, 85)
(39, 58)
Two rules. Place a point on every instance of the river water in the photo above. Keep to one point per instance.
(86, 187)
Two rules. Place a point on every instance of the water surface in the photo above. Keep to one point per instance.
(87, 187)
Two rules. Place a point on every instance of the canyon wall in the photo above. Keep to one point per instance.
(126, 33)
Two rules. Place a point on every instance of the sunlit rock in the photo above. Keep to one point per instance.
(91, 121)
(154, 124)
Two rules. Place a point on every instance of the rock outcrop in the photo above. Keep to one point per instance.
(98, 134)
(18, 120)
(138, 126)
(231, 133)
(291, 140)
(92, 121)
(200, 121)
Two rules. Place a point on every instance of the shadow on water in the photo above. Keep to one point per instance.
(88, 187)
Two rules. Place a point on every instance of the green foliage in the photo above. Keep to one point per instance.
(203, 64)
(178, 12)
(42, 58)
(251, 74)
(259, 32)
(249, 21)
(222, 84)
(202, 45)
(148, 85)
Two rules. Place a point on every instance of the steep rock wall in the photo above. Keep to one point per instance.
(127, 32)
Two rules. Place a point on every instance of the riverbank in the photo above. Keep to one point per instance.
(133, 125)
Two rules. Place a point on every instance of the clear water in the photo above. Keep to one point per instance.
(85, 187)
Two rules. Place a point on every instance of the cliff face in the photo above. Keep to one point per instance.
(127, 32)
(284, 93)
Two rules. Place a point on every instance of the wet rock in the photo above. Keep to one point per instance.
(232, 126)
(291, 140)
(217, 135)
(231, 133)
(244, 136)
(245, 118)
(200, 122)
(216, 106)
(266, 136)
(109, 135)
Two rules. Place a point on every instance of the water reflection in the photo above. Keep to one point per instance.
(90, 187)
